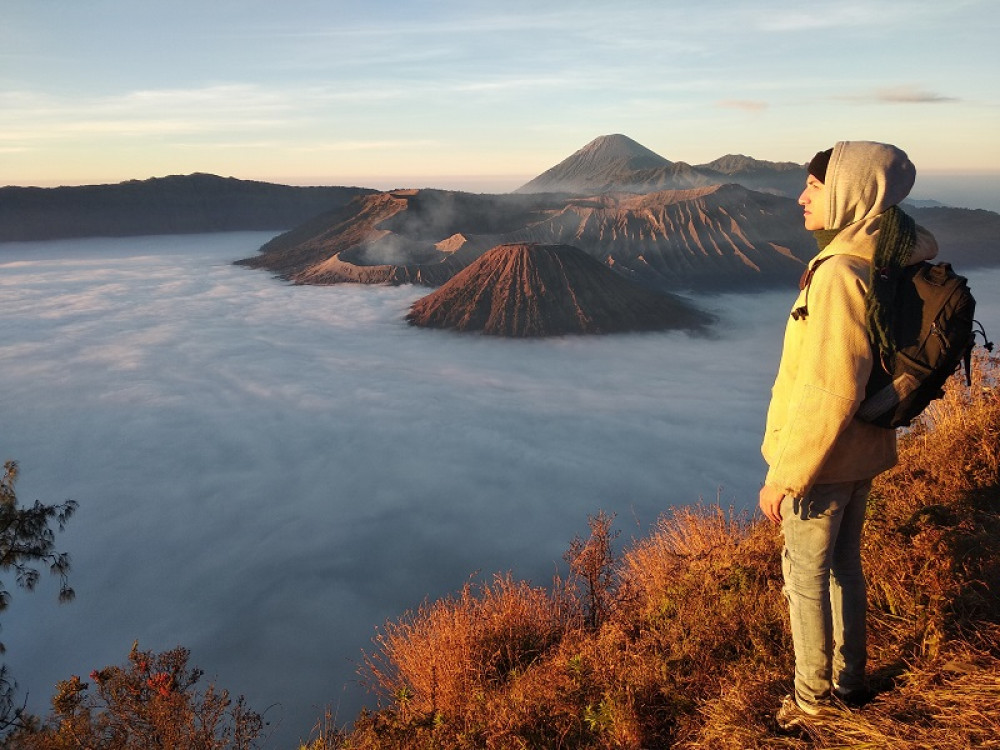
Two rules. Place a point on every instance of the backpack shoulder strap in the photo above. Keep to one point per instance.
(802, 311)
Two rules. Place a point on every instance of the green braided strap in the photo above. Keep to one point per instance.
(896, 239)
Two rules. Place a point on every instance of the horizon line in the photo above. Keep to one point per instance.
(397, 180)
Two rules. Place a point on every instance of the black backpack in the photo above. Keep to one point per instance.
(934, 332)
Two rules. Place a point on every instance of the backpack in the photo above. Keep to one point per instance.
(934, 332)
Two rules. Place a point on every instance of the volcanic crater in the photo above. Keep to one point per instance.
(530, 289)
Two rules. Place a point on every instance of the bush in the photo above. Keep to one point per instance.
(27, 540)
(150, 703)
(442, 667)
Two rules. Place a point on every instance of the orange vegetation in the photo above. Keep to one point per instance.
(683, 641)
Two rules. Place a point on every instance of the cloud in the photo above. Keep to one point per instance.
(911, 95)
(519, 83)
(266, 472)
(489, 22)
(35, 117)
(903, 94)
(276, 470)
(866, 15)
(358, 145)
(226, 113)
(747, 105)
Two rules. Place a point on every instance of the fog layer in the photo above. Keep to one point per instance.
(268, 472)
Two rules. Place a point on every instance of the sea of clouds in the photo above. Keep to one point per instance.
(266, 472)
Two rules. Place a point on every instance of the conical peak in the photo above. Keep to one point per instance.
(620, 149)
(533, 249)
(528, 289)
(606, 160)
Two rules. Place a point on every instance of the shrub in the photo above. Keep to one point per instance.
(150, 703)
(27, 540)
(440, 666)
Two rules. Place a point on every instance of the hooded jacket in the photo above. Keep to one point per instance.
(812, 435)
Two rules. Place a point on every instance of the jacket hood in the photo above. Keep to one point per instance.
(864, 179)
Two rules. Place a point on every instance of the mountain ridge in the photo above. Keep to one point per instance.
(732, 164)
(175, 204)
(716, 238)
(616, 162)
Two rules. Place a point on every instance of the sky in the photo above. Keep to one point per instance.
(482, 96)
(266, 473)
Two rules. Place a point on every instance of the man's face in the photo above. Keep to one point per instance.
(813, 202)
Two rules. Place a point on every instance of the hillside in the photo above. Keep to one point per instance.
(712, 237)
(398, 237)
(180, 204)
(547, 290)
(708, 238)
(782, 178)
(968, 237)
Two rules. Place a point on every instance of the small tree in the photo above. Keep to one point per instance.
(26, 541)
(151, 703)
(593, 562)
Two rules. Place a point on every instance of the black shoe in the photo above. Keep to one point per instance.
(854, 698)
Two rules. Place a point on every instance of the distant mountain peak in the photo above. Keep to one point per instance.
(733, 164)
(621, 150)
(605, 160)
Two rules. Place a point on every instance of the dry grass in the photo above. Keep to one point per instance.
(446, 663)
(933, 535)
(932, 559)
(691, 649)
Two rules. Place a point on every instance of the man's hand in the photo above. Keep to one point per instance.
(770, 502)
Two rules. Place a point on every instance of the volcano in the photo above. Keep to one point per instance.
(607, 160)
(526, 289)
(616, 163)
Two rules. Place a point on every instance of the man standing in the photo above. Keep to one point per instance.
(821, 458)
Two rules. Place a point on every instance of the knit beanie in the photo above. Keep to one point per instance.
(817, 167)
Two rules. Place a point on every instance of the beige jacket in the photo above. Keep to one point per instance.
(811, 434)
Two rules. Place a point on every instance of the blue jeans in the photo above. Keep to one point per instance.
(825, 589)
